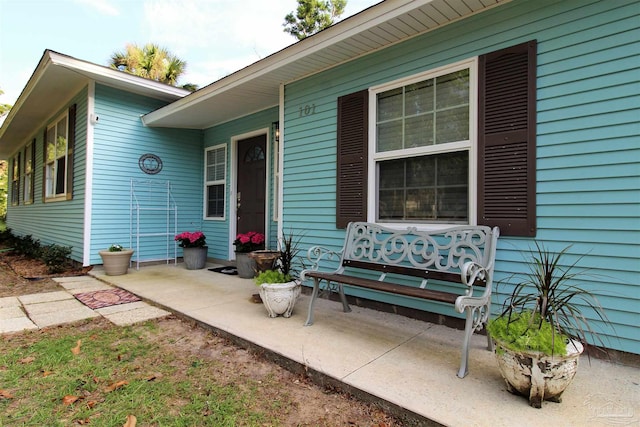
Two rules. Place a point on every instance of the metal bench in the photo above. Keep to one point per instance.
(457, 264)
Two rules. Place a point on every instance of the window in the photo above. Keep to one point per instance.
(422, 147)
(56, 157)
(27, 180)
(59, 144)
(15, 180)
(215, 181)
(454, 145)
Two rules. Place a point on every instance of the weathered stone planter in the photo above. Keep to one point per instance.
(116, 263)
(195, 258)
(279, 298)
(538, 376)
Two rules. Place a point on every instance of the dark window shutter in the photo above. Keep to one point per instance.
(71, 143)
(44, 165)
(33, 168)
(351, 182)
(507, 140)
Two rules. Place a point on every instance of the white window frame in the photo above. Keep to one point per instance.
(27, 175)
(222, 182)
(50, 181)
(470, 145)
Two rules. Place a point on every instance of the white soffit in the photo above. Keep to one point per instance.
(256, 87)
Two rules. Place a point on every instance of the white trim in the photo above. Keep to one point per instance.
(470, 145)
(88, 186)
(280, 188)
(207, 183)
(233, 193)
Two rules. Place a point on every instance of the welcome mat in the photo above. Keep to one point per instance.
(232, 271)
(106, 298)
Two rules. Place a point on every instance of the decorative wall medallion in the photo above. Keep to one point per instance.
(150, 163)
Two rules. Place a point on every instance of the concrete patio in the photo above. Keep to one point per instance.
(408, 365)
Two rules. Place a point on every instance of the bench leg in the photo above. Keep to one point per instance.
(314, 295)
(343, 298)
(468, 331)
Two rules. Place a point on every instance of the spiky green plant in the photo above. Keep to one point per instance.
(546, 292)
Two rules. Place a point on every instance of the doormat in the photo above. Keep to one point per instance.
(106, 298)
(232, 271)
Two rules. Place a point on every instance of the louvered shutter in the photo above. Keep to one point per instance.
(506, 140)
(351, 182)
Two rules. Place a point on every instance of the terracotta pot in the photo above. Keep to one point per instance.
(536, 375)
(279, 298)
(116, 263)
(265, 259)
(195, 258)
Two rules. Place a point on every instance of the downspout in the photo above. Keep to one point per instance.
(92, 119)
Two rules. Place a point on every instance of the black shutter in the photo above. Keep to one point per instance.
(44, 165)
(507, 140)
(351, 182)
(71, 142)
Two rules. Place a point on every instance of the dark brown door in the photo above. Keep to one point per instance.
(251, 184)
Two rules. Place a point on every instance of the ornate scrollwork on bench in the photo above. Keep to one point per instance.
(464, 255)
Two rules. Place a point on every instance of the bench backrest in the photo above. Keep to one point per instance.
(416, 252)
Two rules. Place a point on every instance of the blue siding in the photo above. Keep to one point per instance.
(217, 231)
(120, 140)
(58, 222)
(588, 129)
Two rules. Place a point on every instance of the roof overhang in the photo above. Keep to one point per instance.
(256, 87)
(58, 78)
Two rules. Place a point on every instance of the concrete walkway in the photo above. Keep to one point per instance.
(408, 365)
(45, 309)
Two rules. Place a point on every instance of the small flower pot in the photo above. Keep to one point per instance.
(116, 263)
(195, 258)
(245, 265)
(265, 259)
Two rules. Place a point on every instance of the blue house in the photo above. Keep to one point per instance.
(520, 114)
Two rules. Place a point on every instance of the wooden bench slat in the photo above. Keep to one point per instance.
(393, 288)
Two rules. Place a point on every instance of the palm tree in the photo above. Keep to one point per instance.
(151, 62)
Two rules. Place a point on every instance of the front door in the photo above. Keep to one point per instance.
(252, 175)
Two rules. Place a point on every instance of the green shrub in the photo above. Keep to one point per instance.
(27, 246)
(56, 257)
(272, 276)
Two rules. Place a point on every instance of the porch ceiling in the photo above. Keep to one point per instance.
(256, 87)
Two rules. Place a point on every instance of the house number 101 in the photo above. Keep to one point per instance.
(307, 110)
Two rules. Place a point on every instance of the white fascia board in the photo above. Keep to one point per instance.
(369, 18)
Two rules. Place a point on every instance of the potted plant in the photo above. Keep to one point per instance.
(278, 292)
(116, 259)
(194, 249)
(541, 330)
(246, 243)
(280, 287)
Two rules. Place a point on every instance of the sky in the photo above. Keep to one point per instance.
(214, 37)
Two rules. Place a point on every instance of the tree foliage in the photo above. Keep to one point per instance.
(312, 16)
(151, 62)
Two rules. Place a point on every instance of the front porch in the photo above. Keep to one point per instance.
(407, 365)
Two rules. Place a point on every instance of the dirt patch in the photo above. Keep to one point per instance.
(305, 404)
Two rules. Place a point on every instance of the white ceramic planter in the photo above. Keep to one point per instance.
(116, 263)
(538, 376)
(279, 298)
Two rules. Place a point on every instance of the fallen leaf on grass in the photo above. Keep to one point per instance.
(69, 399)
(76, 350)
(91, 404)
(116, 386)
(4, 394)
(131, 421)
(46, 373)
(27, 360)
